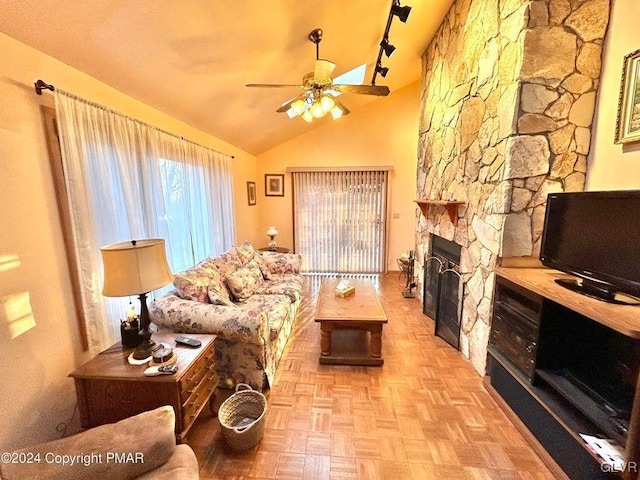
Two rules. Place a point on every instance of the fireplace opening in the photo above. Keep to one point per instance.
(443, 289)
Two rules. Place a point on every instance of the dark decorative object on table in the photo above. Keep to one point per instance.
(406, 266)
(129, 331)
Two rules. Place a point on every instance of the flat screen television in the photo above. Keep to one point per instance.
(595, 236)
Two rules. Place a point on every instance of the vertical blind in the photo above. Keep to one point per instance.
(340, 219)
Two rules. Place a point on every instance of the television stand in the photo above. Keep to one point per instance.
(597, 291)
(563, 365)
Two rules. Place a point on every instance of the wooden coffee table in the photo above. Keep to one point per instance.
(345, 324)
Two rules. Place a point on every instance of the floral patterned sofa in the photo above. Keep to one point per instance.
(248, 299)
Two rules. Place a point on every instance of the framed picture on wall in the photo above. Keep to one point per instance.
(628, 122)
(251, 193)
(274, 185)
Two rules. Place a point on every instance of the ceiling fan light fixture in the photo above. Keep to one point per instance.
(307, 117)
(327, 102)
(298, 107)
(336, 112)
(316, 110)
(387, 47)
(401, 12)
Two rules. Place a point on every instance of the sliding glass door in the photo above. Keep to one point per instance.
(340, 220)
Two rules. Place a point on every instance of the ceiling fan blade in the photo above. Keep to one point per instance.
(286, 105)
(273, 85)
(380, 90)
(322, 71)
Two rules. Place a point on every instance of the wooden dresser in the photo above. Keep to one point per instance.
(109, 389)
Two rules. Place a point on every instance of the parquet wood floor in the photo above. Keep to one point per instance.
(423, 415)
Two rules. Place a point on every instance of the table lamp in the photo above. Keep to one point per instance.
(271, 233)
(136, 268)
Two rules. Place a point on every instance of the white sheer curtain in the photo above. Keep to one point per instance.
(126, 180)
(339, 220)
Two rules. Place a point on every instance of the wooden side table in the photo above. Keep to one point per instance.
(109, 389)
(277, 249)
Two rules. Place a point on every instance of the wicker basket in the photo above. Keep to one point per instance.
(241, 418)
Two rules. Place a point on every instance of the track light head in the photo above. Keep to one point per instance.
(382, 70)
(387, 47)
(401, 12)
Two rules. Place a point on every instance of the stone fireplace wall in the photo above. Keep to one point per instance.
(508, 95)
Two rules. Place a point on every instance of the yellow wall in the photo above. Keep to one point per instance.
(611, 166)
(384, 132)
(36, 393)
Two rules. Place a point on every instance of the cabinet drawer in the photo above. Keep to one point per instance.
(199, 396)
(190, 382)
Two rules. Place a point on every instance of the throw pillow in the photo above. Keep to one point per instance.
(246, 252)
(228, 262)
(245, 281)
(216, 298)
(193, 283)
(263, 266)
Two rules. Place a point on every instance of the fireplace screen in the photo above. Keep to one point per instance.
(444, 289)
(432, 268)
(450, 307)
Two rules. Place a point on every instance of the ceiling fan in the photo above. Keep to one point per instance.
(319, 96)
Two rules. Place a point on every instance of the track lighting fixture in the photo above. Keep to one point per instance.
(382, 70)
(387, 47)
(401, 12)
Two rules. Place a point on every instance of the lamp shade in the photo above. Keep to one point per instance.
(135, 267)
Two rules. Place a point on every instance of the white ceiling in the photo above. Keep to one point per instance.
(192, 58)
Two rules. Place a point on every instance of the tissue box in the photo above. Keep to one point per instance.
(345, 292)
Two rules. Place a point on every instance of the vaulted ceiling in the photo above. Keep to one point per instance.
(192, 59)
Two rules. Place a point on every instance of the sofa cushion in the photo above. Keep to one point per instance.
(149, 437)
(284, 284)
(245, 281)
(282, 262)
(276, 307)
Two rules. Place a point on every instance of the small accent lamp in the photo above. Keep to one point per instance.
(136, 268)
(272, 232)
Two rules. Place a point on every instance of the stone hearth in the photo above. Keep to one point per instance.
(508, 96)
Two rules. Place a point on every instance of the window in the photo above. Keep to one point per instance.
(125, 180)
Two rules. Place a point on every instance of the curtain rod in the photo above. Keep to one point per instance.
(41, 85)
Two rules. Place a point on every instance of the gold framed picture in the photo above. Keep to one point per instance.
(628, 121)
(274, 185)
(251, 193)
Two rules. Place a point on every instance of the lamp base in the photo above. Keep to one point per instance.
(146, 348)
